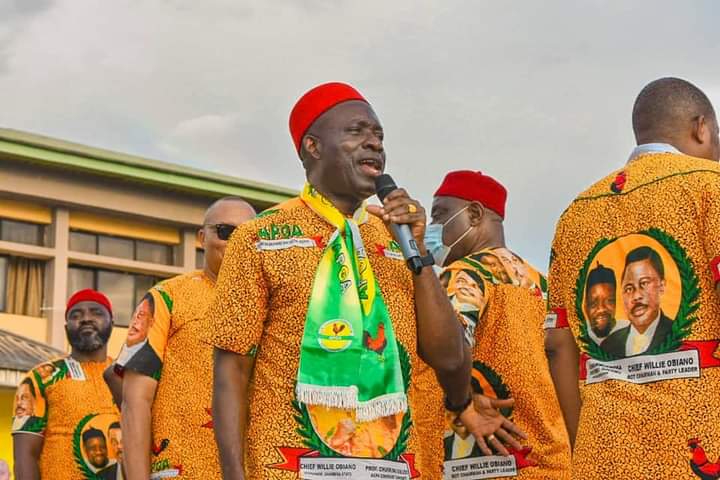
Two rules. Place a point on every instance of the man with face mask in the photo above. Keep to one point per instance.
(45, 439)
(504, 326)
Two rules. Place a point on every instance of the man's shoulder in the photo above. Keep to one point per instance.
(664, 323)
(54, 362)
(616, 338)
(649, 169)
(281, 211)
(193, 279)
(292, 213)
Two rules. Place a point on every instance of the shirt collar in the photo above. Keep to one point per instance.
(647, 148)
(649, 333)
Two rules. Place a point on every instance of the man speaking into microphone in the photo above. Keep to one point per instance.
(319, 326)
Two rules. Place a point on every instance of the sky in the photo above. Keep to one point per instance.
(535, 94)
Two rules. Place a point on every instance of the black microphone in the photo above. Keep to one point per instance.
(384, 184)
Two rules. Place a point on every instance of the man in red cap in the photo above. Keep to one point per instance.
(68, 398)
(500, 300)
(316, 309)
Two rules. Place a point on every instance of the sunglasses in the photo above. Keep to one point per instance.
(223, 230)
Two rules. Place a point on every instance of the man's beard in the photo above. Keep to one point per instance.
(89, 343)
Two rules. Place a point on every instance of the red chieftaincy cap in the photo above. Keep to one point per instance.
(88, 295)
(316, 102)
(474, 186)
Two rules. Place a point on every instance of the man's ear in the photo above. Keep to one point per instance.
(201, 237)
(700, 129)
(476, 212)
(311, 144)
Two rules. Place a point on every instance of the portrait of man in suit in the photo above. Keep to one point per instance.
(643, 286)
(460, 443)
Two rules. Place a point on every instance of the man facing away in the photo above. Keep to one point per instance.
(166, 386)
(502, 310)
(54, 429)
(656, 223)
(319, 326)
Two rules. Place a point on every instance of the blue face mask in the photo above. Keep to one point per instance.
(434, 239)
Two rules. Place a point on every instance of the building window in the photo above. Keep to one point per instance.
(21, 285)
(22, 232)
(3, 281)
(125, 290)
(83, 242)
(154, 252)
(121, 247)
(199, 258)
(116, 247)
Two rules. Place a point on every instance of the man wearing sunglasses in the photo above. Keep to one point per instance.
(166, 370)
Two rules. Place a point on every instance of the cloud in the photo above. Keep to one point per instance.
(537, 94)
(16, 14)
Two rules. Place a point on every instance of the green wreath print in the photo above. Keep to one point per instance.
(311, 439)
(689, 299)
(77, 449)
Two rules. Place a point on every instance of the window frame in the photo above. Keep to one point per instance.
(40, 230)
(171, 253)
(136, 296)
(3, 286)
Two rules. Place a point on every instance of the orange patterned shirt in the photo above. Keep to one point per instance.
(262, 297)
(68, 404)
(500, 300)
(164, 343)
(633, 272)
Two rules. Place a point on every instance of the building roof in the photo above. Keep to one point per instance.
(52, 152)
(21, 353)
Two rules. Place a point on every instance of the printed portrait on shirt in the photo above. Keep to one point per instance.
(631, 296)
(98, 440)
(496, 267)
(458, 443)
(142, 319)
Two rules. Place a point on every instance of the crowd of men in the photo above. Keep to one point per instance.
(306, 348)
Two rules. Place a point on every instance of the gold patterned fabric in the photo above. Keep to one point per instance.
(260, 308)
(500, 299)
(68, 404)
(164, 343)
(633, 271)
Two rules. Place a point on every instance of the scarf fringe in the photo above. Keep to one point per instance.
(382, 406)
(346, 398)
(329, 396)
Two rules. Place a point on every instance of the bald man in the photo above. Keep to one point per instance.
(167, 371)
(644, 399)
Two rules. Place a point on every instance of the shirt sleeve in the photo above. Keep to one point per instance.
(467, 291)
(144, 348)
(556, 315)
(710, 225)
(30, 406)
(236, 317)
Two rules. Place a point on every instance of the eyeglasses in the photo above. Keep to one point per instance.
(223, 230)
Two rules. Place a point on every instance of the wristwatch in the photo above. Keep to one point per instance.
(416, 264)
(458, 409)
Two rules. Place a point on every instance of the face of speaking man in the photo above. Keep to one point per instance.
(642, 293)
(600, 303)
